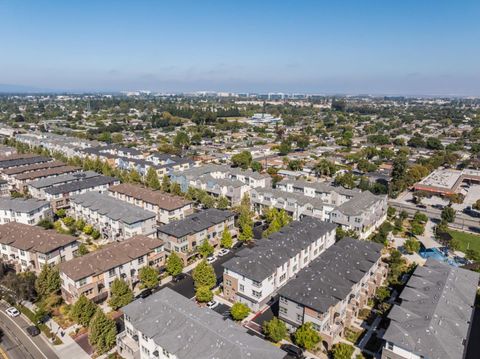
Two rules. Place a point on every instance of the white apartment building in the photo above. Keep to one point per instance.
(255, 275)
(30, 247)
(115, 219)
(27, 211)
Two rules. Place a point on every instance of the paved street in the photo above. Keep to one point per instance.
(186, 288)
(19, 342)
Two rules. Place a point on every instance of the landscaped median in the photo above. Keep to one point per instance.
(44, 328)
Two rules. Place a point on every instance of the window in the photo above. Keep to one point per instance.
(256, 294)
(242, 288)
(111, 272)
(82, 282)
(299, 317)
(228, 282)
(22, 253)
(282, 277)
(141, 260)
(282, 310)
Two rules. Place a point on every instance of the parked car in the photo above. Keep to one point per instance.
(471, 212)
(211, 259)
(13, 312)
(223, 252)
(212, 304)
(421, 206)
(178, 277)
(294, 351)
(33, 331)
(438, 206)
(238, 244)
(144, 294)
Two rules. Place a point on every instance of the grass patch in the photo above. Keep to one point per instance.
(353, 335)
(467, 240)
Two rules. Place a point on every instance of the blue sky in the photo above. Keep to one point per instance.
(357, 46)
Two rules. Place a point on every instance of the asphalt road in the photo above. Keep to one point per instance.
(186, 288)
(17, 343)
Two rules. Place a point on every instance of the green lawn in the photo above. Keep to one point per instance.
(467, 240)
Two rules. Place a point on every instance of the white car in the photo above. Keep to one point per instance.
(212, 304)
(211, 259)
(223, 252)
(13, 312)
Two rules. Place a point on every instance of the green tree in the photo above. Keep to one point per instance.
(306, 337)
(174, 264)
(148, 277)
(205, 249)
(256, 166)
(203, 294)
(448, 214)
(181, 140)
(324, 168)
(346, 180)
(82, 249)
(134, 176)
(275, 329)
(61, 213)
(45, 223)
(88, 229)
(242, 159)
(204, 275)
(95, 234)
(382, 294)
(166, 183)
(120, 294)
(411, 245)
(420, 217)
(285, 148)
(417, 228)
(48, 281)
(342, 351)
(391, 212)
(222, 202)
(82, 311)
(152, 179)
(102, 332)
(226, 241)
(239, 311)
(80, 224)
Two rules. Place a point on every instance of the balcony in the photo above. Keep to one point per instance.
(127, 346)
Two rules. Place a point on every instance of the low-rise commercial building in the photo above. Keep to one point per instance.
(92, 274)
(255, 275)
(30, 247)
(27, 211)
(435, 316)
(115, 219)
(167, 207)
(184, 236)
(168, 325)
(330, 291)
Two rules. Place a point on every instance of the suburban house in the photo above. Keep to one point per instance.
(30, 247)
(92, 274)
(167, 207)
(435, 315)
(21, 180)
(23, 159)
(115, 219)
(254, 275)
(183, 236)
(331, 290)
(168, 325)
(24, 210)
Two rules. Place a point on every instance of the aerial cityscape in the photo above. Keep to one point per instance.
(239, 180)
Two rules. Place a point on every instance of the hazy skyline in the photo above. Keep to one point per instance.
(377, 47)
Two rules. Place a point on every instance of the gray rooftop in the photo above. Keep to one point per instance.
(82, 184)
(187, 331)
(113, 208)
(24, 205)
(330, 278)
(294, 197)
(321, 187)
(359, 203)
(58, 180)
(270, 253)
(434, 317)
(196, 222)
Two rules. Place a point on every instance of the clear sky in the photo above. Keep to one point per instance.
(357, 46)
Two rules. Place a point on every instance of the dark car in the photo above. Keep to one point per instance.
(178, 277)
(438, 206)
(421, 206)
(294, 351)
(144, 294)
(33, 331)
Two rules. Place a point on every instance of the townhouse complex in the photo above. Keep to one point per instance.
(435, 316)
(168, 325)
(92, 274)
(232, 183)
(167, 207)
(331, 290)
(255, 275)
(27, 247)
(24, 210)
(184, 236)
(114, 218)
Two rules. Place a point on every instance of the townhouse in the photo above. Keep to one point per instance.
(29, 247)
(24, 210)
(23, 159)
(92, 274)
(183, 236)
(115, 219)
(330, 291)
(167, 325)
(255, 275)
(434, 317)
(8, 174)
(21, 180)
(355, 210)
(167, 207)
